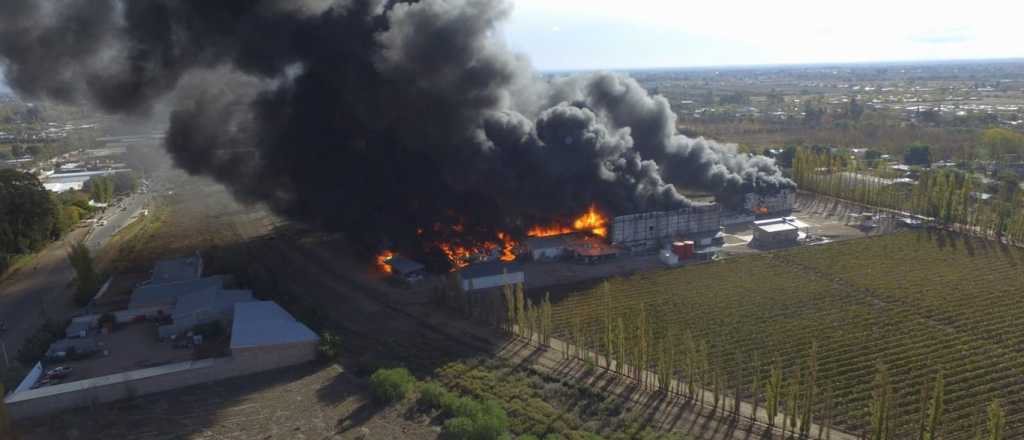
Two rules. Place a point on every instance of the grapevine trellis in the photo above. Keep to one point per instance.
(809, 332)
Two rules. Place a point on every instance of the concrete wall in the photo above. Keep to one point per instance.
(48, 400)
(498, 280)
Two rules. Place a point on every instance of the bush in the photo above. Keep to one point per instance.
(527, 437)
(458, 428)
(473, 420)
(391, 385)
(455, 406)
(330, 346)
(35, 346)
(432, 395)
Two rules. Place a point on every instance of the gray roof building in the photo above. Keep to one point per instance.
(404, 266)
(264, 323)
(167, 294)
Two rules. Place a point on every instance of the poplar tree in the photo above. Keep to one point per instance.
(792, 401)
(521, 310)
(881, 406)
(755, 382)
(810, 391)
(996, 421)
(934, 423)
(621, 357)
(773, 391)
(510, 308)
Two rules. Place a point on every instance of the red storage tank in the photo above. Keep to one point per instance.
(679, 248)
(688, 248)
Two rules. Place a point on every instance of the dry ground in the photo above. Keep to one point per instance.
(313, 275)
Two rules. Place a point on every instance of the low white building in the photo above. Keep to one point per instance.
(265, 335)
(778, 230)
(489, 275)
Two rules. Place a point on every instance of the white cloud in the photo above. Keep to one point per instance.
(636, 33)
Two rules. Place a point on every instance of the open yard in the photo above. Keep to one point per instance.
(913, 302)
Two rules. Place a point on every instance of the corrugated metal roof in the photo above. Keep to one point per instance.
(404, 265)
(264, 323)
(777, 227)
(217, 301)
(489, 269)
(167, 294)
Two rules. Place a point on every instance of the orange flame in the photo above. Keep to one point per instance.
(383, 261)
(592, 221)
(507, 247)
(547, 231)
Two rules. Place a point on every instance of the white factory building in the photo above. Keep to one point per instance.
(490, 275)
(778, 231)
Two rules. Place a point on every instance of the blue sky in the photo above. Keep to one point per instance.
(608, 34)
(630, 34)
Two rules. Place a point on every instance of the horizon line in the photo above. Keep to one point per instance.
(790, 65)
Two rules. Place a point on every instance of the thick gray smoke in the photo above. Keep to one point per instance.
(376, 118)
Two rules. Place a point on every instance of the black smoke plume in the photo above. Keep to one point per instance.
(376, 118)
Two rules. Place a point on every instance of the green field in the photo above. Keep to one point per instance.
(915, 302)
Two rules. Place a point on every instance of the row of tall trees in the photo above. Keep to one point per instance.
(949, 197)
(793, 398)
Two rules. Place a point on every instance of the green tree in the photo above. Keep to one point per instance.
(26, 213)
(996, 421)
(86, 278)
(100, 188)
(1000, 142)
(773, 391)
(881, 406)
(934, 423)
(125, 182)
(918, 154)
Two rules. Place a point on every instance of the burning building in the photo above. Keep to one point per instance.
(649, 230)
(764, 204)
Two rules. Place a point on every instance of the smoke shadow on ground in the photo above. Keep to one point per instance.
(200, 409)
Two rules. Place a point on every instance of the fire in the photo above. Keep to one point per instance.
(507, 247)
(547, 231)
(591, 221)
(383, 260)
(459, 255)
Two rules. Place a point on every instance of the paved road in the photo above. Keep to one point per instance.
(42, 289)
(114, 218)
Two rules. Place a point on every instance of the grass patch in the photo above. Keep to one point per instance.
(15, 263)
(129, 248)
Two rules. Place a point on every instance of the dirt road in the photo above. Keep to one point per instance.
(41, 290)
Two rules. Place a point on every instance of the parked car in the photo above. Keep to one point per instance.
(58, 372)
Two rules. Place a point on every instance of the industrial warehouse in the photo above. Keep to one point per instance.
(692, 233)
